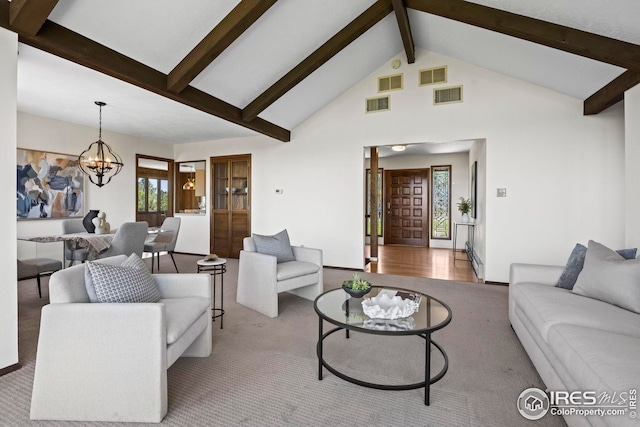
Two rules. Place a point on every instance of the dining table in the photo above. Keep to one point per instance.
(94, 243)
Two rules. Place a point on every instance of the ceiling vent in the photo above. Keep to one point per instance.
(388, 83)
(430, 76)
(447, 95)
(377, 104)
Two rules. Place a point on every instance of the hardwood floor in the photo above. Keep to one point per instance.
(421, 262)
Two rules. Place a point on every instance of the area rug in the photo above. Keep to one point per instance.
(264, 372)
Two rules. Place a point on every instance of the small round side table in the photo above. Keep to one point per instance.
(215, 268)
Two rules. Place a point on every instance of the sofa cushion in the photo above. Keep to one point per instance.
(181, 313)
(277, 245)
(546, 306)
(291, 269)
(576, 262)
(597, 360)
(609, 277)
(125, 283)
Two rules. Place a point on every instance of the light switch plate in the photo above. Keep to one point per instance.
(501, 192)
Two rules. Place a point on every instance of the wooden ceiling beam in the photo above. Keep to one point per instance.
(405, 29)
(226, 32)
(62, 42)
(342, 39)
(611, 94)
(28, 16)
(589, 45)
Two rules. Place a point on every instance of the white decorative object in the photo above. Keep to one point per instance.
(385, 307)
(101, 224)
(465, 218)
(406, 324)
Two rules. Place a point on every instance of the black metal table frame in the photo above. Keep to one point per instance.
(428, 380)
(216, 270)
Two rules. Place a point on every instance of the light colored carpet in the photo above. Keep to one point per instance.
(263, 372)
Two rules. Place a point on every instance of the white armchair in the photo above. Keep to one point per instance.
(261, 278)
(108, 362)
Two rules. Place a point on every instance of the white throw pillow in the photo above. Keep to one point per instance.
(608, 277)
(127, 282)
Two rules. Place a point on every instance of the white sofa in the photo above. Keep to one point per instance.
(575, 342)
(109, 361)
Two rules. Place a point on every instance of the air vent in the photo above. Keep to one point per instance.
(388, 83)
(430, 76)
(447, 95)
(377, 104)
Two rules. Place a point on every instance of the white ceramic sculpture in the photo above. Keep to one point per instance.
(101, 224)
(385, 307)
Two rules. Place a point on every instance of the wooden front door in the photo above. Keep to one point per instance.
(407, 207)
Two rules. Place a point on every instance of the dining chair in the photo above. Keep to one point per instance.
(72, 251)
(165, 240)
(128, 239)
(37, 267)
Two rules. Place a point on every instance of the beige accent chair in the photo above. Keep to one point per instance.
(261, 278)
(108, 362)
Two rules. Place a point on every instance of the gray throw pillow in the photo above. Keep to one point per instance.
(127, 282)
(576, 262)
(609, 277)
(277, 245)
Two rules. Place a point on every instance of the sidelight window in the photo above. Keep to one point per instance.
(441, 202)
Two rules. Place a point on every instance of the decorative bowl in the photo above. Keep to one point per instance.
(356, 293)
(385, 307)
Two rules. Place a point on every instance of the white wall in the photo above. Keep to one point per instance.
(8, 111)
(117, 199)
(632, 157)
(564, 172)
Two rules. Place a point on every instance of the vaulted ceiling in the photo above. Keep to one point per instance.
(183, 71)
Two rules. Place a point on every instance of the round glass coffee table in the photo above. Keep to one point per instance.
(344, 311)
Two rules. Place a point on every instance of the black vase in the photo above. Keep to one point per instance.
(88, 220)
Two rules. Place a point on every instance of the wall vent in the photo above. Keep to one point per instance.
(430, 76)
(387, 83)
(447, 95)
(381, 103)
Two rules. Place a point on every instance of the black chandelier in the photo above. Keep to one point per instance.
(99, 162)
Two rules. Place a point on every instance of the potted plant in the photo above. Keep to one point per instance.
(464, 206)
(357, 287)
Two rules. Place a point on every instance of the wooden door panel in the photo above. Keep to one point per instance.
(220, 233)
(231, 217)
(407, 210)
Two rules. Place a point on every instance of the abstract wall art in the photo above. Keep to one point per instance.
(48, 185)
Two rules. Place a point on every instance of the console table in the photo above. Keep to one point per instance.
(469, 244)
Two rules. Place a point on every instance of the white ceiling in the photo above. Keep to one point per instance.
(159, 33)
